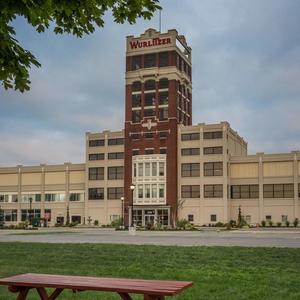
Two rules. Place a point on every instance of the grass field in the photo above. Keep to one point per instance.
(217, 272)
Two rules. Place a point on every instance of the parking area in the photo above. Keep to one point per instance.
(245, 238)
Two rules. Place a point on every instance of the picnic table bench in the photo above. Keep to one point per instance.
(151, 289)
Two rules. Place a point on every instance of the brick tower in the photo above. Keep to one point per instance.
(158, 98)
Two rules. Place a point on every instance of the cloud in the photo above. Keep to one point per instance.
(246, 57)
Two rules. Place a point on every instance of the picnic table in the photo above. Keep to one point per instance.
(151, 289)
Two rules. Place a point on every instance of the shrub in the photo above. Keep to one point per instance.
(263, 223)
(219, 224)
(271, 223)
(116, 223)
(182, 223)
(287, 223)
(232, 223)
(278, 224)
(296, 222)
(96, 223)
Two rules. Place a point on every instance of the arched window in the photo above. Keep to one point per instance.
(163, 83)
(150, 85)
(136, 86)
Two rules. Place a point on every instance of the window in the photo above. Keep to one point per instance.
(190, 191)
(136, 116)
(147, 169)
(96, 193)
(191, 218)
(76, 219)
(190, 170)
(163, 83)
(163, 59)
(9, 215)
(213, 191)
(149, 151)
(190, 136)
(136, 100)
(213, 218)
(212, 135)
(284, 218)
(162, 215)
(163, 113)
(150, 85)
(140, 191)
(30, 214)
(116, 155)
(213, 169)
(163, 98)
(96, 143)
(76, 197)
(163, 134)
(190, 151)
(149, 135)
(96, 156)
(147, 191)
(115, 193)
(161, 188)
(161, 169)
(150, 60)
(136, 86)
(213, 150)
(115, 173)
(154, 169)
(154, 190)
(135, 136)
(149, 99)
(140, 169)
(279, 190)
(268, 218)
(116, 141)
(135, 62)
(135, 152)
(244, 191)
(149, 112)
(55, 197)
(96, 173)
(8, 198)
(162, 150)
(26, 198)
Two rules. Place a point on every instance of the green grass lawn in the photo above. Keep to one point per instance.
(217, 272)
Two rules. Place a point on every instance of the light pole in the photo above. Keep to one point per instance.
(122, 203)
(132, 187)
(1, 217)
(30, 209)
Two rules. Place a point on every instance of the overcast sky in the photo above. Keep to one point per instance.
(246, 70)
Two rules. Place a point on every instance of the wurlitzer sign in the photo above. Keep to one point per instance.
(150, 43)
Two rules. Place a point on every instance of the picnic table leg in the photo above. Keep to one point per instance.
(125, 296)
(44, 296)
(23, 291)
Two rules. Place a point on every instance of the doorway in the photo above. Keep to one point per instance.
(149, 219)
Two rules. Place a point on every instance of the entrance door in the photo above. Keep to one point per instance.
(149, 219)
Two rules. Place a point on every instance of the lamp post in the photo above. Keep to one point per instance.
(132, 187)
(30, 209)
(1, 217)
(122, 211)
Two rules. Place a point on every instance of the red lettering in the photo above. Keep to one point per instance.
(134, 44)
(168, 41)
(144, 44)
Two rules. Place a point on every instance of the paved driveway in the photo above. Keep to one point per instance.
(246, 238)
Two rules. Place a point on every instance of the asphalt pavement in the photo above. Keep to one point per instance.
(280, 237)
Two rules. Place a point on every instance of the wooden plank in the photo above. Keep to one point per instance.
(55, 294)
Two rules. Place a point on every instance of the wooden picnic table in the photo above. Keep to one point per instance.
(151, 289)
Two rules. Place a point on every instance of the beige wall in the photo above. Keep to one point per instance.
(244, 170)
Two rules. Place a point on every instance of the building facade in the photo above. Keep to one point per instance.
(160, 168)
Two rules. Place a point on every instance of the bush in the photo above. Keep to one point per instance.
(182, 224)
(271, 223)
(287, 223)
(263, 223)
(278, 224)
(232, 223)
(96, 223)
(116, 223)
(219, 224)
(58, 225)
(296, 222)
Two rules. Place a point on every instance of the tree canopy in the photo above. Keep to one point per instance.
(76, 17)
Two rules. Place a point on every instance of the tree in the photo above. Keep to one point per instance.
(67, 16)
